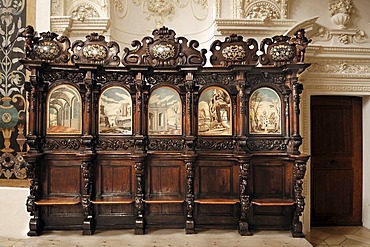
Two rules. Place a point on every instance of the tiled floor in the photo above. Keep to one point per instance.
(160, 238)
(355, 236)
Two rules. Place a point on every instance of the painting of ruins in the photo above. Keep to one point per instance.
(115, 112)
(165, 113)
(64, 111)
(214, 112)
(265, 112)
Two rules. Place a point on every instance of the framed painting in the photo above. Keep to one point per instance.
(165, 112)
(64, 110)
(214, 112)
(115, 111)
(264, 112)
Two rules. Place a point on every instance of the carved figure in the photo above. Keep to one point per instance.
(29, 35)
(301, 42)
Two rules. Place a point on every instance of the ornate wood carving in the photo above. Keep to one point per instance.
(299, 171)
(204, 79)
(115, 144)
(165, 144)
(95, 50)
(267, 144)
(234, 51)
(164, 50)
(47, 47)
(54, 144)
(216, 145)
(198, 178)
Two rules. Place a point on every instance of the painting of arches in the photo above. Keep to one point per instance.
(115, 112)
(214, 112)
(64, 111)
(165, 112)
(265, 112)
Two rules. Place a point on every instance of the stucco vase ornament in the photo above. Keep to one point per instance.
(341, 11)
(8, 120)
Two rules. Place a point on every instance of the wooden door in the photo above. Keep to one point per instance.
(336, 161)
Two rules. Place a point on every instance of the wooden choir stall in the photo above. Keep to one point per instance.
(156, 139)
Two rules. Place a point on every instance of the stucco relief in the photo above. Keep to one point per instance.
(339, 69)
(163, 10)
(263, 9)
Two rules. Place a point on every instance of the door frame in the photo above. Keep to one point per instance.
(338, 89)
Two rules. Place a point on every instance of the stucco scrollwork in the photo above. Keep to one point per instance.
(339, 69)
(161, 10)
(83, 12)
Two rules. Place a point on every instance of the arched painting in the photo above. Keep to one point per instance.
(64, 111)
(214, 112)
(264, 112)
(115, 112)
(165, 113)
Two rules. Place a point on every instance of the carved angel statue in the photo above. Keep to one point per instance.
(301, 42)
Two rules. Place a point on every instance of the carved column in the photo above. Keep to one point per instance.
(189, 226)
(244, 198)
(241, 112)
(33, 172)
(88, 227)
(139, 198)
(299, 171)
(87, 105)
(189, 114)
(296, 139)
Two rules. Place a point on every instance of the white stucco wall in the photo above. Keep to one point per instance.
(366, 162)
(13, 214)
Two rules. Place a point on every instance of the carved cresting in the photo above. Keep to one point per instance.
(164, 50)
(234, 51)
(95, 50)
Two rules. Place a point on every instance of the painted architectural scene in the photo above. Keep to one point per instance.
(165, 112)
(115, 116)
(264, 112)
(214, 112)
(64, 111)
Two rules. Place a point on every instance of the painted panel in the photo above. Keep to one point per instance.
(64, 111)
(214, 112)
(265, 112)
(115, 112)
(164, 112)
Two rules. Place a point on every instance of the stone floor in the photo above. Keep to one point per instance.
(318, 237)
(159, 238)
(356, 236)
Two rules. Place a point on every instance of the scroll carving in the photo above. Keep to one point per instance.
(52, 76)
(216, 145)
(73, 144)
(95, 50)
(255, 79)
(267, 145)
(223, 79)
(234, 51)
(115, 144)
(244, 199)
(164, 50)
(165, 144)
(189, 197)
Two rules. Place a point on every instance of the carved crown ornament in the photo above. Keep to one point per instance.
(165, 50)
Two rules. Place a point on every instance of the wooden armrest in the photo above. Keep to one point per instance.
(273, 202)
(217, 201)
(58, 201)
(112, 200)
(163, 201)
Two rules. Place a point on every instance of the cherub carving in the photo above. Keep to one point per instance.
(301, 42)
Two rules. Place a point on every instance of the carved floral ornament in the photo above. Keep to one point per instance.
(163, 10)
(340, 11)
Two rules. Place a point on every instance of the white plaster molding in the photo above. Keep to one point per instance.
(79, 18)
(305, 24)
(253, 27)
(341, 11)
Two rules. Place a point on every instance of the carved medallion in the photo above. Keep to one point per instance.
(233, 52)
(282, 52)
(163, 51)
(47, 49)
(95, 52)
